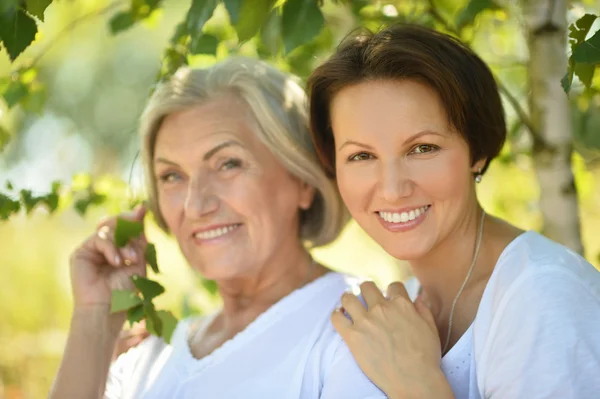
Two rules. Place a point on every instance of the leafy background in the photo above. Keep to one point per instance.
(73, 96)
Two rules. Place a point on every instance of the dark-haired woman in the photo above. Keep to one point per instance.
(408, 121)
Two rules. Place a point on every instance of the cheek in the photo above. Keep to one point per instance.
(171, 204)
(353, 184)
(443, 178)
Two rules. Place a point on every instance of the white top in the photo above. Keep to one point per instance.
(537, 330)
(289, 351)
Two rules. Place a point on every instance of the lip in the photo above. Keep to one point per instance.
(406, 226)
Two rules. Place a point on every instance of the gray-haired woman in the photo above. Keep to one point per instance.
(233, 176)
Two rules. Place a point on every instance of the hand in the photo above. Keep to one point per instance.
(394, 341)
(98, 266)
(130, 338)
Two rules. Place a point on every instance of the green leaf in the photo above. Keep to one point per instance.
(37, 7)
(580, 28)
(149, 289)
(169, 322)
(253, 15)
(35, 101)
(8, 207)
(474, 8)
(9, 186)
(123, 300)
(93, 198)
(233, 9)
(180, 33)
(588, 51)
(7, 5)
(151, 257)
(17, 31)
(270, 33)
(585, 73)
(135, 314)
(200, 11)
(206, 44)
(302, 21)
(153, 321)
(210, 286)
(15, 92)
(126, 230)
(5, 137)
(122, 21)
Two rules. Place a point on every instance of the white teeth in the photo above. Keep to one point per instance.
(214, 233)
(403, 217)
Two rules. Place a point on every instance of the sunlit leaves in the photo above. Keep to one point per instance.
(17, 31)
(138, 10)
(253, 15)
(585, 53)
(123, 300)
(205, 44)
(37, 7)
(200, 11)
(302, 21)
(151, 257)
(233, 9)
(127, 230)
(474, 8)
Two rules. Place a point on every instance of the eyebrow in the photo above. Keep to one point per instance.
(410, 139)
(209, 154)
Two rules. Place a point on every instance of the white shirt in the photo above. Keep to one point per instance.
(536, 334)
(289, 351)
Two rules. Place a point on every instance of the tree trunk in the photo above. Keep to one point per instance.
(546, 22)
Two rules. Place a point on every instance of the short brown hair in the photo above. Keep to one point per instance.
(463, 81)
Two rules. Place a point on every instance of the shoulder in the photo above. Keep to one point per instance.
(535, 268)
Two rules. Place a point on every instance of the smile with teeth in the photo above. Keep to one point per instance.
(214, 233)
(403, 217)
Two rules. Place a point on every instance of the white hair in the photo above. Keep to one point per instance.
(279, 108)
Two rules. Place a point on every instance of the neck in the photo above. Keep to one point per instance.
(443, 270)
(244, 298)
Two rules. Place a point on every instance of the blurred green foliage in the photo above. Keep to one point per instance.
(74, 77)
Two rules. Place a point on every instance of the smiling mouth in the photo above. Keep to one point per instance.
(216, 232)
(403, 217)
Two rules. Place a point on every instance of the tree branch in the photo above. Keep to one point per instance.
(106, 10)
(435, 13)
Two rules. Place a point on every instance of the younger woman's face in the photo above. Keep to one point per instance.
(404, 173)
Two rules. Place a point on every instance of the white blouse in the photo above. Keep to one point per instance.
(289, 351)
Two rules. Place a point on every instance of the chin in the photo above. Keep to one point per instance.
(404, 248)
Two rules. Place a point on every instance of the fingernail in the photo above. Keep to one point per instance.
(117, 259)
(131, 254)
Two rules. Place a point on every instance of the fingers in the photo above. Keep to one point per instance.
(353, 306)
(340, 322)
(397, 289)
(371, 294)
(132, 253)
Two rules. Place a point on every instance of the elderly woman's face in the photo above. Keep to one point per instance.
(404, 174)
(226, 198)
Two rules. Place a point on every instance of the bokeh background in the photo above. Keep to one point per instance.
(83, 133)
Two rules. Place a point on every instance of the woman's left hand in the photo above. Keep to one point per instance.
(394, 341)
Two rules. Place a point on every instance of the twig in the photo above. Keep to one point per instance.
(434, 12)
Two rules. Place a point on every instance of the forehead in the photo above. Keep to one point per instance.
(386, 104)
(226, 117)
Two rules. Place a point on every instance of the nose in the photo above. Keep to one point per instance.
(394, 182)
(200, 200)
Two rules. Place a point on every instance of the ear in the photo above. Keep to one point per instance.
(307, 195)
(478, 166)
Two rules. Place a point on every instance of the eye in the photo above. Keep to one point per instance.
(361, 156)
(231, 163)
(169, 177)
(424, 148)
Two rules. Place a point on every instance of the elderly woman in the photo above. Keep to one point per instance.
(235, 179)
(408, 121)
